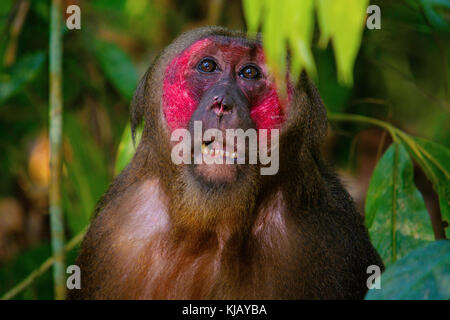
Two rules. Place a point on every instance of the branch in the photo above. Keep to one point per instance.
(42, 268)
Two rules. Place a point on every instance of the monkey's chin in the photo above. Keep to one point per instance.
(216, 173)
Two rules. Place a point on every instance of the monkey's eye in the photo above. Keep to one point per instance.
(207, 65)
(249, 72)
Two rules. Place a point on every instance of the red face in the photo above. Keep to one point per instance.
(224, 84)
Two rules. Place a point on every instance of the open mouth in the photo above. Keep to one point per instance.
(214, 149)
(215, 165)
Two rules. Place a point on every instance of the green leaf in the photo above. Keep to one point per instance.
(438, 159)
(396, 216)
(423, 274)
(252, 12)
(118, 68)
(444, 3)
(137, 8)
(438, 21)
(274, 39)
(301, 17)
(290, 24)
(85, 175)
(126, 148)
(24, 71)
(16, 269)
(108, 5)
(343, 22)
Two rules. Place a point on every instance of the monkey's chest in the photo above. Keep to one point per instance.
(212, 275)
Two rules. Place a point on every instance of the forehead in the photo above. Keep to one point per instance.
(226, 48)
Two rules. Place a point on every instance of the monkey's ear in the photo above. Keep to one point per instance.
(137, 106)
(316, 115)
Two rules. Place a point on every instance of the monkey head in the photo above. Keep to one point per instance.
(218, 79)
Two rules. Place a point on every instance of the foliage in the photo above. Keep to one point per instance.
(339, 20)
(396, 79)
(118, 67)
(24, 71)
(423, 274)
(126, 148)
(82, 188)
(395, 211)
(435, 161)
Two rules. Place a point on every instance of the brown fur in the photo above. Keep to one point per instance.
(160, 235)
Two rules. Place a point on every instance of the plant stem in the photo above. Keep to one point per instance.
(423, 158)
(395, 134)
(394, 205)
(55, 136)
(42, 268)
(363, 119)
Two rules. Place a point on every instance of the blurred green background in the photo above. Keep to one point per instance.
(401, 75)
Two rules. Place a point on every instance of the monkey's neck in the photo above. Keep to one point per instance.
(198, 219)
(228, 217)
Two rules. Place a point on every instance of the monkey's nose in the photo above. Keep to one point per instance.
(221, 107)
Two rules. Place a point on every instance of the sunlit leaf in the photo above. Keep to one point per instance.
(126, 148)
(301, 17)
(252, 12)
(118, 68)
(342, 21)
(289, 25)
(396, 216)
(274, 39)
(423, 274)
(136, 8)
(20, 74)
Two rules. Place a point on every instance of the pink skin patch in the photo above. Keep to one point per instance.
(182, 90)
(178, 102)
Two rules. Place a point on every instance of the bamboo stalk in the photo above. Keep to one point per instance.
(55, 136)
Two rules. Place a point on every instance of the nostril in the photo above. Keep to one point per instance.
(218, 99)
(221, 109)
